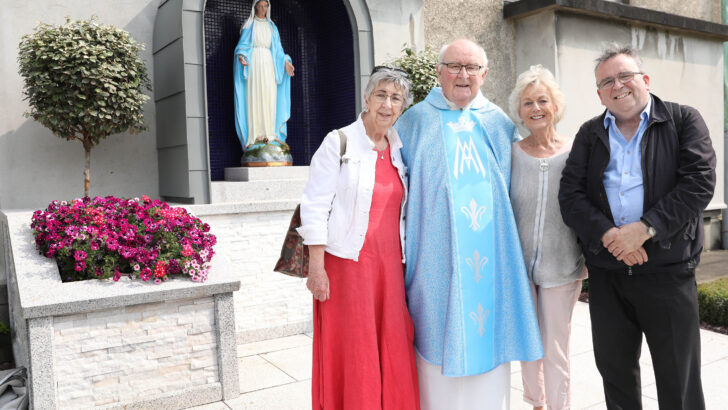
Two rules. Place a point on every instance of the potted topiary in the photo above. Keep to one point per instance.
(84, 81)
(422, 70)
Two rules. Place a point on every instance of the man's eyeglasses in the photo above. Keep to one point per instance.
(623, 78)
(471, 69)
(385, 68)
(380, 97)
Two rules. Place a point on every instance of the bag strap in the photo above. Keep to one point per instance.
(342, 146)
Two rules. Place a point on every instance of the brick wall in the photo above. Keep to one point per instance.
(130, 353)
(268, 303)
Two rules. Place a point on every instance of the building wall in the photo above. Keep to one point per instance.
(708, 10)
(36, 166)
(482, 21)
(394, 24)
(133, 353)
(268, 304)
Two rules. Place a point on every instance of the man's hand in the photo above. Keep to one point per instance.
(637, 257)
(609, 236)
(626, 240)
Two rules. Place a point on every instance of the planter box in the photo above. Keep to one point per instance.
(126, 344)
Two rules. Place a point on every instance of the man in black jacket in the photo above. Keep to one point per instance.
(634, 188)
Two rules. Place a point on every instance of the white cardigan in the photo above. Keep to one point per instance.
(337, 199)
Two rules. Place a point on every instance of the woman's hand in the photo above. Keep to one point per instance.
(242, 60)
(318, 280)
(289, 69)
(318, 284)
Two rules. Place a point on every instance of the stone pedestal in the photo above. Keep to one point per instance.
(251, 184)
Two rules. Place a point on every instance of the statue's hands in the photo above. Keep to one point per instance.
(289, 69)
(242, 60)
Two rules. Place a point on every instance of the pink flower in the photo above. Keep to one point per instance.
(79, 255)
(79, 266)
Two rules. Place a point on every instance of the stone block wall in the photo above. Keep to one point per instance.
(134, 352)
(268, 303)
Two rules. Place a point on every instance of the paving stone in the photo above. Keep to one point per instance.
(295, 362)
(257, 373)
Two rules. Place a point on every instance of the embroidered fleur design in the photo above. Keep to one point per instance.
(480, 318)
(473, 213)
(476, 262)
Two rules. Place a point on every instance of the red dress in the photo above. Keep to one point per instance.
(363, 353)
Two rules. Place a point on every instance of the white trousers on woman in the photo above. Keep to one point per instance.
(483, 391)
(546, 382)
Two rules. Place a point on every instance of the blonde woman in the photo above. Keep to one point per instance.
(554, 261)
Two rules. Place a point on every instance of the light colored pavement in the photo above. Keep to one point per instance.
(276, 374)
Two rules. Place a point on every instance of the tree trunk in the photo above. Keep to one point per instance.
(87, 172)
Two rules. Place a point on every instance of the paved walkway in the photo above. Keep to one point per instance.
(276, 374)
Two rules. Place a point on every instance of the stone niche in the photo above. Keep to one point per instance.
(128, 344)
(683, 57)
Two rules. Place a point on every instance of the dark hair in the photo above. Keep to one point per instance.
(614, 49)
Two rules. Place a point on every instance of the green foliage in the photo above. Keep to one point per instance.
(4, 329)
(713, 302)
(422, 69)
(84, 81)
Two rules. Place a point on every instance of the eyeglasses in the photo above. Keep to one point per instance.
(385, 68)
(471, 69)
(380, 97)
(623, 78)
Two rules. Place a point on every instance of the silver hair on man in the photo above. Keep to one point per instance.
(443, 49)
(394, 76)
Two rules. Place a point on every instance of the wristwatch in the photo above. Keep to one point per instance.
(650, 230)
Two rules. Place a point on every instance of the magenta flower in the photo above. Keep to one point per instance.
(145, 238)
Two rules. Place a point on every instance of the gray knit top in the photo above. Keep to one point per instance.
(550, 250)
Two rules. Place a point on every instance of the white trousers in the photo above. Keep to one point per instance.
(489, 391)
(547, 381)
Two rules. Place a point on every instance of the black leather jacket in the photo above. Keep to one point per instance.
(678, 170)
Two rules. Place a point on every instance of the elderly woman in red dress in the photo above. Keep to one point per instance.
(353, 223)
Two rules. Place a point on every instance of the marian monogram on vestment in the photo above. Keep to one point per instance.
(466, 154)
(472, 201)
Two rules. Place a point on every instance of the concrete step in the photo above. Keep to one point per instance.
(248, 191)
(265, 173)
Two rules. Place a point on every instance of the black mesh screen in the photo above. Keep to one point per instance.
(318, 37)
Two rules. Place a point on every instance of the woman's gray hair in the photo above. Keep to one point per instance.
(612, 50)
(398, 78)
(443, 50)
(535, 75)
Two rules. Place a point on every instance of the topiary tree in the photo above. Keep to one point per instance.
(421, 68)
(83, 81)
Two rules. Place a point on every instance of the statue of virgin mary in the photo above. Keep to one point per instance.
(262, 74)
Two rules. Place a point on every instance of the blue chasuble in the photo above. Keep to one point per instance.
(466, 282)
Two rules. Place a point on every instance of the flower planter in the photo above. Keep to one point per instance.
(99, 343)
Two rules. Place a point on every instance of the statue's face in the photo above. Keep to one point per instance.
(261, 9)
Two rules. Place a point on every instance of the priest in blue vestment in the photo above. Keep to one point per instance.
(466, 282)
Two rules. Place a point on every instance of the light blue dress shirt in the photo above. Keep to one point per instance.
(623, 176)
